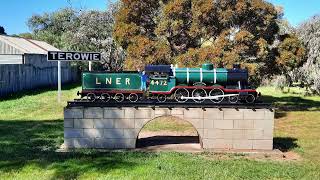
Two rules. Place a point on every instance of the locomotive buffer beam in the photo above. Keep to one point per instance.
(209, 97)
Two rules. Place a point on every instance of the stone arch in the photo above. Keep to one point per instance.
(166, 114)
(193, 116)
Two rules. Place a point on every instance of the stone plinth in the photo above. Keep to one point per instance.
(114, 128)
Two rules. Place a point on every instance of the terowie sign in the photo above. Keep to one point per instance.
(73, 56)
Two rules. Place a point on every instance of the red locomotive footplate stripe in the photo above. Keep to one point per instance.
(172, 90)
(206, 88)
(113, 92)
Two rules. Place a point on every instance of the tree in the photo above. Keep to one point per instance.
(95, 34)
(191, 32)
(24, 35)
(50, 27)
(289, 55)
(68, 29)
(309, 33)
(289, 49)
(2, 31)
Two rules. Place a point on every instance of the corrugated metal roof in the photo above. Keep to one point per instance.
(12, 45)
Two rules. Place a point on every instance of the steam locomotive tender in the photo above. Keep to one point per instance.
(166, 82)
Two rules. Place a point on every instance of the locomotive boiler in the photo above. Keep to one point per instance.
(166, 82)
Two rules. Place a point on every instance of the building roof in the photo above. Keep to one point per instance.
(17, 45)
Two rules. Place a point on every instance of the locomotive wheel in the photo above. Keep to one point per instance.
(162, 98)
(133, 97)
(250, 98)
(198, 93)
(91, 97)
(105, 97)
(119, 97)
(234, 99)
(181, 93)
(216, 92)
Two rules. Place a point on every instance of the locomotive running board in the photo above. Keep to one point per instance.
(208, 97)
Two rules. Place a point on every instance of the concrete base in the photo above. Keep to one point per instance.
(113, 128)
(190, 149)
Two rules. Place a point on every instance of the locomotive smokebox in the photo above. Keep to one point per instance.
(236, 74)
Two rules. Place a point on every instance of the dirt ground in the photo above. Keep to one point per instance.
(169, 141)
(188, 141)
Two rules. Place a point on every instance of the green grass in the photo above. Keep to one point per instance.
(169, 124)
(37, 105)
(31, 129)
(293, 101)
(297, 121)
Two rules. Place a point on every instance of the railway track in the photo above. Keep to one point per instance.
(168, 104)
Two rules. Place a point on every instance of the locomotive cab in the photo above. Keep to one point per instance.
(158, 71)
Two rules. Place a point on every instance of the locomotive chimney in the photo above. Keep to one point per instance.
(236, 66)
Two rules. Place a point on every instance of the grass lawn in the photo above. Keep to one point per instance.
(171, 124)
(31, 129)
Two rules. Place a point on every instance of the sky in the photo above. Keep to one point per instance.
(14, 14)
(297, 11)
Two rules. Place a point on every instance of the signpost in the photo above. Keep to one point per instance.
(69, 57)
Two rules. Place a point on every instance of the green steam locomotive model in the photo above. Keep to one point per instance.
(168, 83)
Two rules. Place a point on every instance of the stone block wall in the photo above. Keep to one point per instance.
(114, 128)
